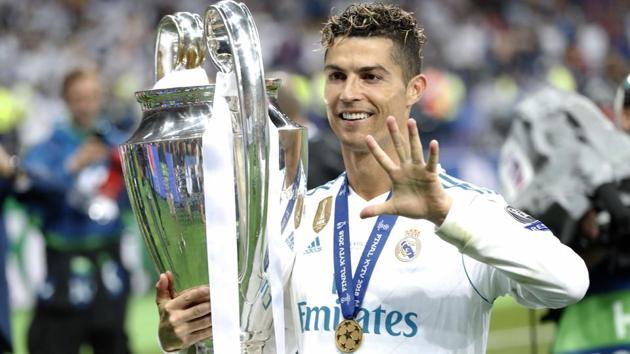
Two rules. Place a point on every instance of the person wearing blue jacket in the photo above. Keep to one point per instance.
(76, 174)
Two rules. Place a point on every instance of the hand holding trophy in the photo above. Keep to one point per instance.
(212, 183)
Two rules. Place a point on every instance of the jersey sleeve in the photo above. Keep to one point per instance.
(526, 260)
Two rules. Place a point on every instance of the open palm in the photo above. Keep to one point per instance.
(417, 192)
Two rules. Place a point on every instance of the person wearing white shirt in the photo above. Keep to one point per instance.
(395, 256)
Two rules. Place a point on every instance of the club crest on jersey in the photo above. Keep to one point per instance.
(408, 248)
(323, 214)
(299, 207)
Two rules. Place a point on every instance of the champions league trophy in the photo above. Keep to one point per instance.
(164, 163)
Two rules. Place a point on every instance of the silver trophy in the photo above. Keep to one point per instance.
(162, 161)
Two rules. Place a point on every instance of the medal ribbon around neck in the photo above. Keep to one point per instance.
(351, 289)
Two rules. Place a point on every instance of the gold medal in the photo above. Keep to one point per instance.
(348, 336)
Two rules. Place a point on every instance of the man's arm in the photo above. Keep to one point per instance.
(539, 270)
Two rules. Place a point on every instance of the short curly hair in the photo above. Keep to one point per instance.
(381, 20)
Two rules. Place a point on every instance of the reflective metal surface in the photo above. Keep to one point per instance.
(234, 45)
(179, 44)
(163, 162)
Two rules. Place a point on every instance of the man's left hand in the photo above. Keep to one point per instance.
(417, 192)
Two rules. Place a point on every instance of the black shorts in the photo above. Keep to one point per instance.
(84, 301)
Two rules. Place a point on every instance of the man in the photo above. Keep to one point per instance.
(76, 174)
(399, 256)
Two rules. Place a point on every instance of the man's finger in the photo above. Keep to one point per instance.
(199, 336)
(191, 297)
(171, 283)
(199, 324)
(417, 155)
(197, 311)
(399, 142)
(434, 156)
(380, 155)
(377, 209)
(162, 293)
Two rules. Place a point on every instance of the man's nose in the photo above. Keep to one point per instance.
(351, 90)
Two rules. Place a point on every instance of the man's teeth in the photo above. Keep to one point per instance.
(354, 116)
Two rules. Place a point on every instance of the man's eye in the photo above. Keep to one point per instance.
(370, 77)
(336, 76)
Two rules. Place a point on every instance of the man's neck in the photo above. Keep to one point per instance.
(365, 175)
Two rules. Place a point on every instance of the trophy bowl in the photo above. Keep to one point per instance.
(163, 161)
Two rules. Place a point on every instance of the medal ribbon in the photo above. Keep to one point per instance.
(351, 289)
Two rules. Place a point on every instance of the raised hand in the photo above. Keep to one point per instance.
(92, 150)
(184, 319)
(417, 192)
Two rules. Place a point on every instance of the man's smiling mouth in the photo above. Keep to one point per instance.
(354, 116)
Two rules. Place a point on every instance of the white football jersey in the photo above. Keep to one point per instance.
(432, 288)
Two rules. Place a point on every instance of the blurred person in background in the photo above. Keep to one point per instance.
(10, 114)
(324, 152)
(622, 105)
(5, 313)
(77, 176)
(567, 165)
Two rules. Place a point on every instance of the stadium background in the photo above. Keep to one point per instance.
(482, 56)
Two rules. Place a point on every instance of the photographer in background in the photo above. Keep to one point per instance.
(76, 174)
(566, 164)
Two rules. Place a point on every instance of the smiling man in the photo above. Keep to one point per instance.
(395, 255)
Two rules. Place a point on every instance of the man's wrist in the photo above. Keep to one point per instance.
(443, 211)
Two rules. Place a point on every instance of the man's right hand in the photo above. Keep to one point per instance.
(184, 318)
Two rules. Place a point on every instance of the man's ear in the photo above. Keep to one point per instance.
(415, 89)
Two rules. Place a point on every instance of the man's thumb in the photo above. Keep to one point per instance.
(162, 289)
(374, 210)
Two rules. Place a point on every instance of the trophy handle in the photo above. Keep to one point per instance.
(179, 44)
(234, 45)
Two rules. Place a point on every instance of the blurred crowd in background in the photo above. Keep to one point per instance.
(481, 57)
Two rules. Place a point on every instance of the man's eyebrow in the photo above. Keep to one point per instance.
(373, 68)
(332, 67)
(361, 69)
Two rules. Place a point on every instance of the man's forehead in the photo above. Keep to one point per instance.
(361, 41)
(360, 51)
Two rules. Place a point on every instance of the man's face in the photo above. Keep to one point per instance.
(83, 97)
(363, 87)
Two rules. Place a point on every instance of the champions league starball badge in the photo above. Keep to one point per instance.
(408, 248)
(348, 336)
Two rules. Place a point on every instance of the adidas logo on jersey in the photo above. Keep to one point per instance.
(290, 240)
(313, 247)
